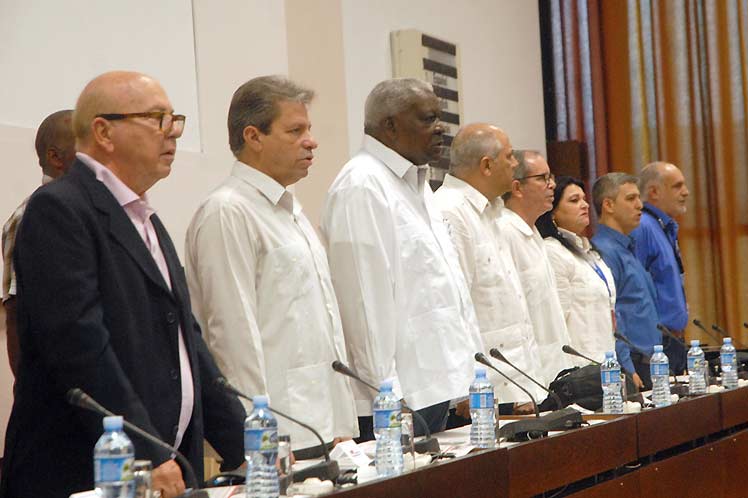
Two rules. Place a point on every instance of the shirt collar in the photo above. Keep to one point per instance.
(394, 161)
(273, 191)
(46, 179)
(661, 215)
(624, 240)
(518, 222)
(581, 242)
(121, 192)
(478, 200)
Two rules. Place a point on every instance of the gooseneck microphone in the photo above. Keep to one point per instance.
(700, 325)
(724, 333)
(623, 338)
(328, 470)
(573, 352)
(77, 397)
(499, 356)
(745, 324)
(428, 444)
(669, 333)
(481, 358)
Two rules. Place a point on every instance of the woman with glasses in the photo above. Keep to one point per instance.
(584, 282)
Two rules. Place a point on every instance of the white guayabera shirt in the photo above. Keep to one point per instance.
(588, 298)
(485, 259)
(261, 291)
(406, 310)
(538, 281)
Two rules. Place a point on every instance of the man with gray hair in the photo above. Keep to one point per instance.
(55, 148)
(664, 191)
(482, 165)
(530, 196)
(618, 206)
(407, 313)
(258, 275)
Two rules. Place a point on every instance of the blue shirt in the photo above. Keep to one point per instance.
(636, 312)
(657, 249)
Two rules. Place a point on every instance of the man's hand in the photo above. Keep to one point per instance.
(167, 478)
(638, 381)
(524, 409)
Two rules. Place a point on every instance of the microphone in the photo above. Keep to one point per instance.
(326, 471)
(570, 350)
(745, 324)
(726, 334)
(700, 325)
(497, 354)
(623, 338)
(428, 444)
(669, 333)
(481, 358)
(77, 397)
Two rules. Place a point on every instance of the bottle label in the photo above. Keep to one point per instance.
(659, 369)
(261, 439)
(610, 376)
(694, 363)
(727, 358)
(384, 419)
(481, 400)
(113, 469)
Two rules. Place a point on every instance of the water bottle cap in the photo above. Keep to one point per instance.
(694, 343)
(727, 340)
(113, 423)
(609, 354)
(260, 401)
(386, 386)
(480, 372)
(658, 348)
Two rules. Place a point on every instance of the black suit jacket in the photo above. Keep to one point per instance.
(94, 312)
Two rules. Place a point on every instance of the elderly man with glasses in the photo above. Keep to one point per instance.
(104, 307)
(530, 196)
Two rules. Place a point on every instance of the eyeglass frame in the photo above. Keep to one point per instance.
(548, 177)
(147, 114)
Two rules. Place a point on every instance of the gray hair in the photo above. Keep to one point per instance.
(390, 97)
(255, 103)
(522, 156)
(651, 175)
(607, 187)
(470, 146)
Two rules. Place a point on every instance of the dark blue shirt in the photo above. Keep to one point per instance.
(636, 312)
(657, 249)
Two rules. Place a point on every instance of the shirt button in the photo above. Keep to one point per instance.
(174, 374)
(171, 318)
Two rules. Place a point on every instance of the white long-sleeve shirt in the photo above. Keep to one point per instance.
(587, 298)
(500, 305)
(538, 281)
(406, 310)
(261, 290)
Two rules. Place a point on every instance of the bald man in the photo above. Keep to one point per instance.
(55, 148)
(664, 192)
(103, 306)
(481, 171)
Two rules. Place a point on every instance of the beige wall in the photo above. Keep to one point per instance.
(338, 47)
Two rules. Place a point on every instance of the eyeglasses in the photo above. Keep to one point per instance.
(547, 178)
(167, 121)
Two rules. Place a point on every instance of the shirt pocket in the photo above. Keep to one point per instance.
(291, 271)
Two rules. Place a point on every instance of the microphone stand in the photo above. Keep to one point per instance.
(328, 470)
(481, 358)
(497, 354)
(700, 325)
(77, 397)
(428, 444)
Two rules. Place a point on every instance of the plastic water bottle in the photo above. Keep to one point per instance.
(389, 451)
(610, 378)
(729, 363)
(261, 451)
(114, 456)
(696, 369)
(483, 429)
(659, 369)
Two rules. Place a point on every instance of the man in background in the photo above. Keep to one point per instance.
(55, 148)
(618, 206)
(664, 192)
(481, 170)
(406, 310)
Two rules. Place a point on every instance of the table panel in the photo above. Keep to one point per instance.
(623, 487)
(695, 474)
(550, 463)
(734, 407)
